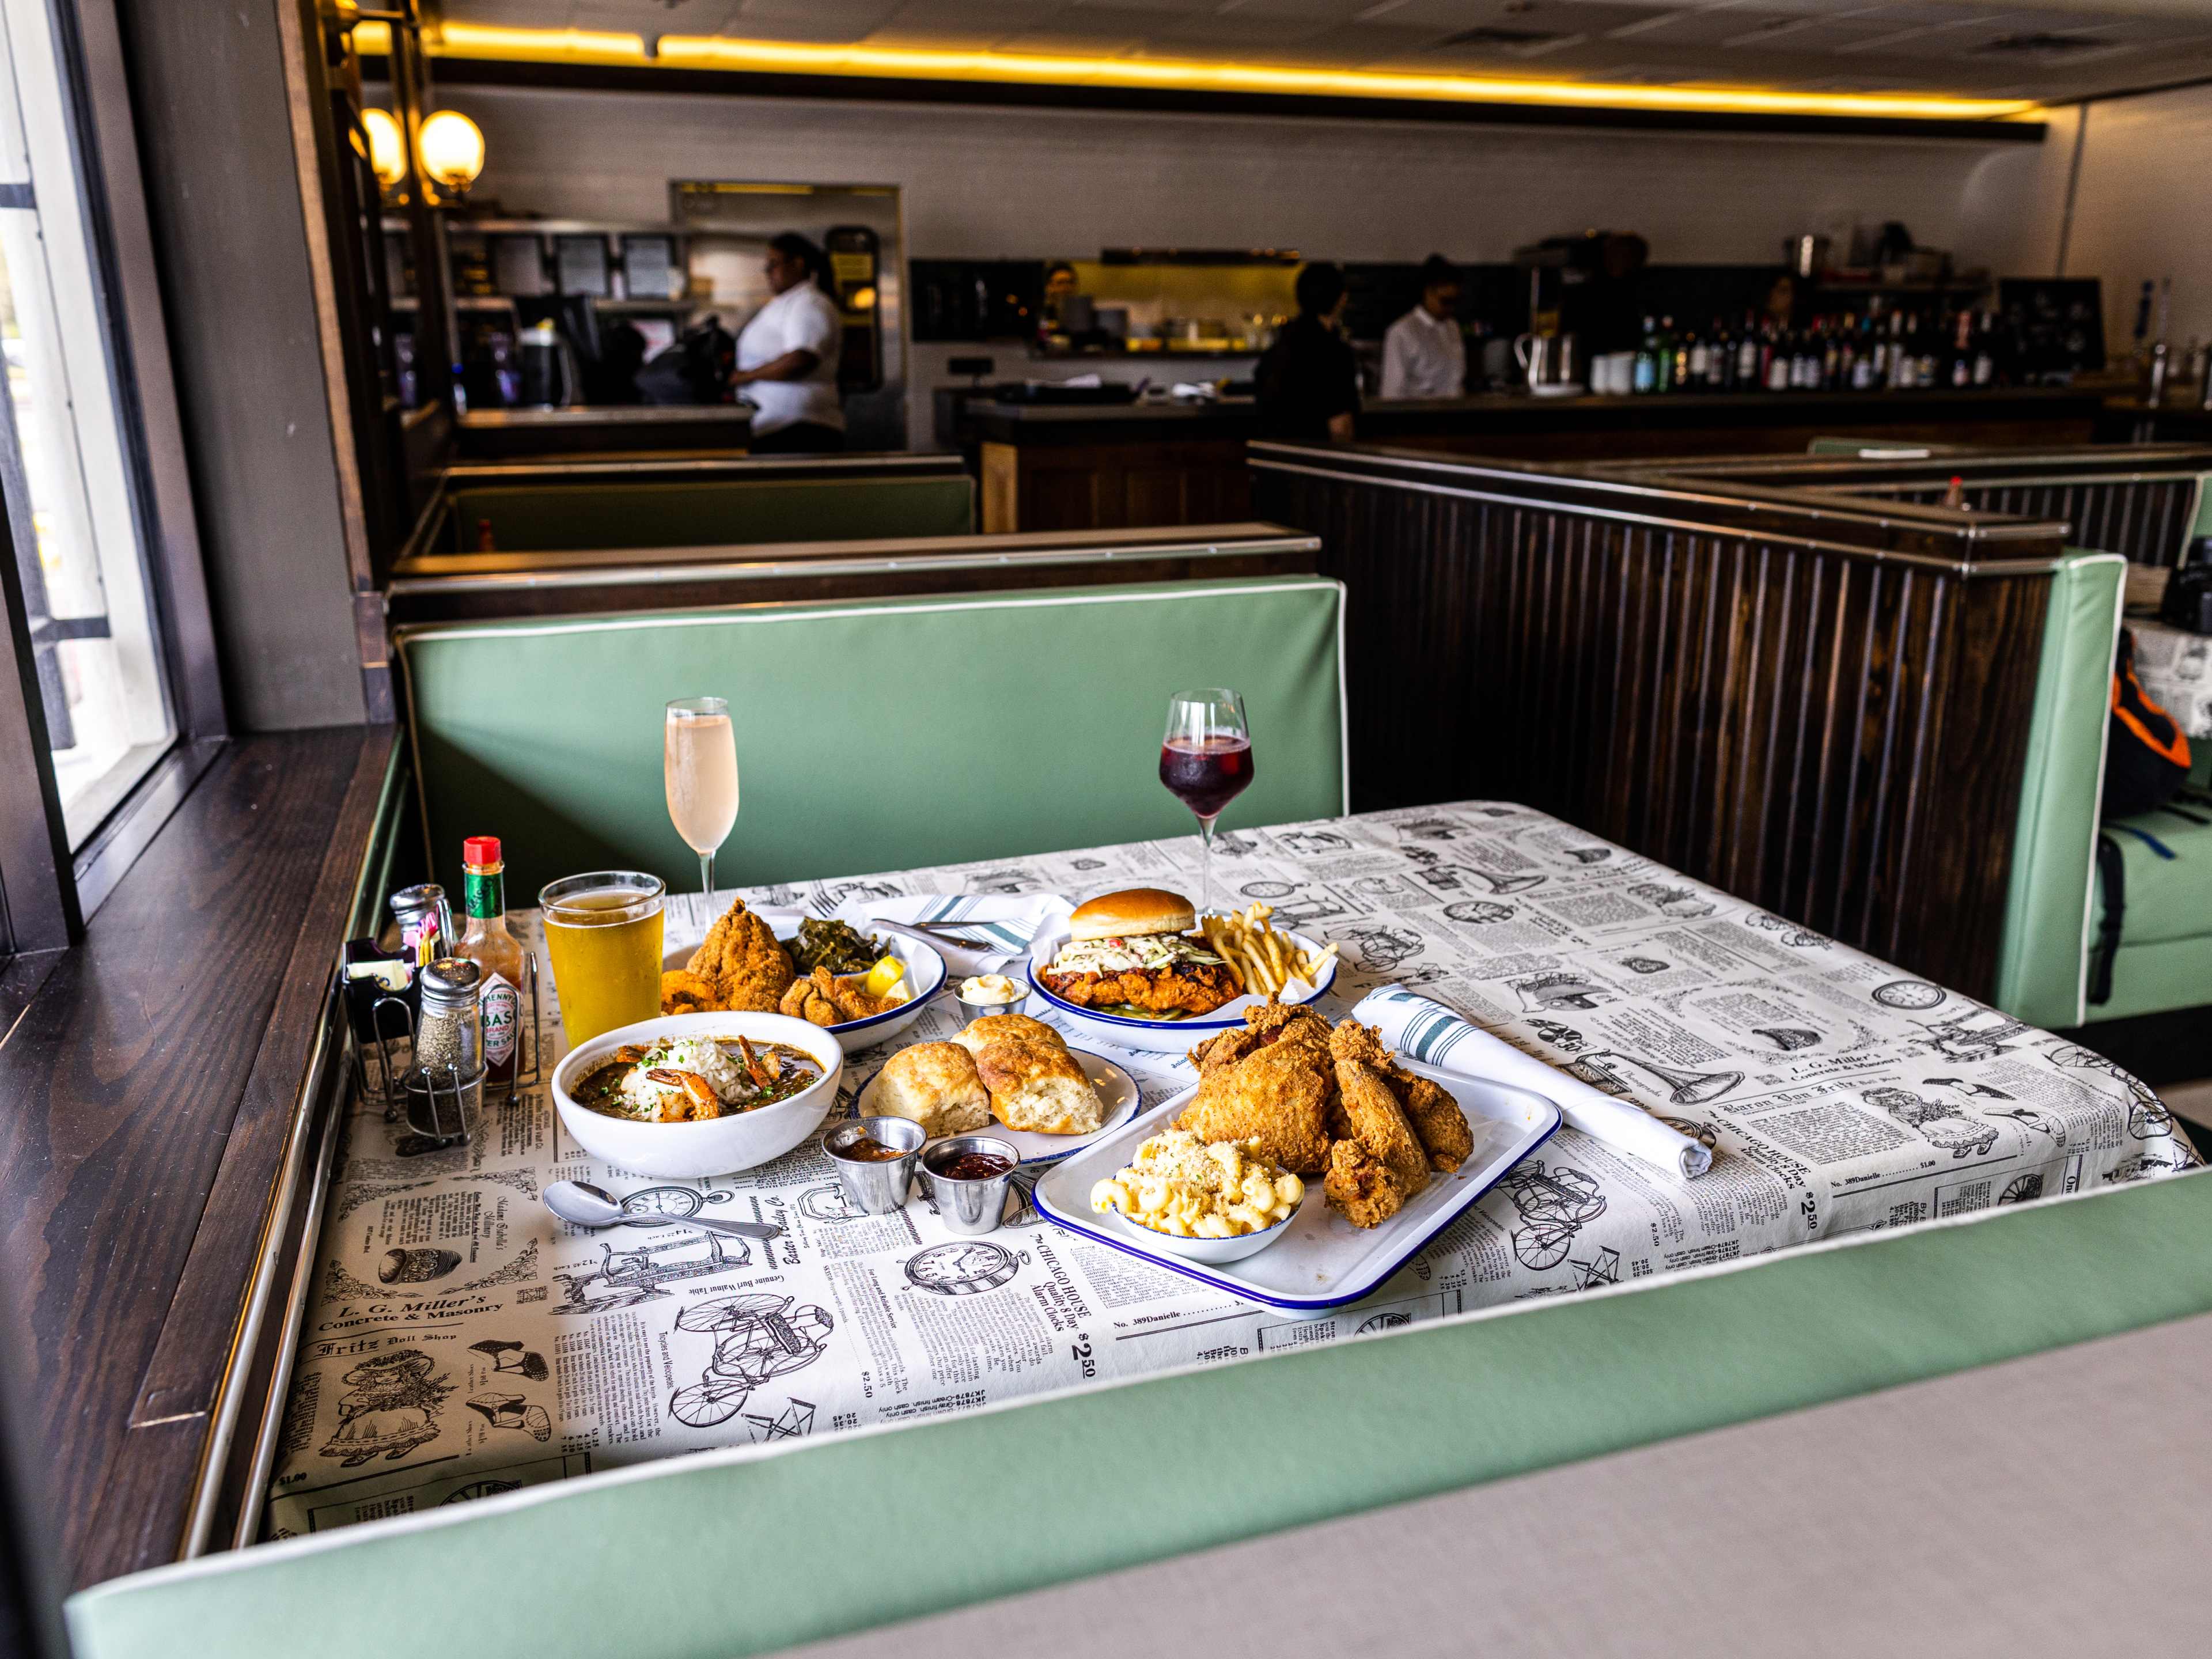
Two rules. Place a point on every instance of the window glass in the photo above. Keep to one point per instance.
(71, 510)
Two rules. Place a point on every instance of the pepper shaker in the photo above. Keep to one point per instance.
(446, 1083)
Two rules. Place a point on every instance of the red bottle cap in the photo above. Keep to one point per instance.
(480, 850)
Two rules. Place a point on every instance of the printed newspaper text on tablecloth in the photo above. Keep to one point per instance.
(459, 1342)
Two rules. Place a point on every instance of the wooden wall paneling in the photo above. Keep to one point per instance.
(1839, 739)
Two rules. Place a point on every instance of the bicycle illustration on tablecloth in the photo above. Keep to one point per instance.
(1554, 1207)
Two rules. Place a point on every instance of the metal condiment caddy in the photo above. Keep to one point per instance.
(437, 1083)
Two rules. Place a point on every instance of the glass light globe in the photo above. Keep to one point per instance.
(388, 148)
(453, 150)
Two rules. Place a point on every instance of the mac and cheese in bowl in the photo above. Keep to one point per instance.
(1187, 1187)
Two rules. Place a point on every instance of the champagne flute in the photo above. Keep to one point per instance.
(699, 763)
(1205, 762)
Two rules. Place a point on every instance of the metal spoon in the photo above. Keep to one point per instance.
(582, 1205)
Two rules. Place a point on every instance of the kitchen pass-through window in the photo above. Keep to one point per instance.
(72, 516)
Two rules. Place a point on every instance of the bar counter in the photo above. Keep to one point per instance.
(1060, 466)
(500, 434)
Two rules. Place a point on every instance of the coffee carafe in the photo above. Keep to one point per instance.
(1553, 363)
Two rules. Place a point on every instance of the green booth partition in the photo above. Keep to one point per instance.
(872, 735)
(601, 515)
(749, 1550)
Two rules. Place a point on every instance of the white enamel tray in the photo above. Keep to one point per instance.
(1322, 1262)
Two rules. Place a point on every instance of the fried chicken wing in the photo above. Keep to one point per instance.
(1359, 1187)
(1381, 1126)
(1438, 1121)
(751, 969)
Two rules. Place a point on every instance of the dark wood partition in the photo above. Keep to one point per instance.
(2140, 501)
(1826, 713)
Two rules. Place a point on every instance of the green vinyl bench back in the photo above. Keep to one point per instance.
(732, 1553)
(721, 512)
(872, 735)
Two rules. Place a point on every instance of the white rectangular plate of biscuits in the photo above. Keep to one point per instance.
(1322, 1262)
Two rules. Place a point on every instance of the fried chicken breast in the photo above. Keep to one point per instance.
(751, 969)
(1381, 1126)
(1276, 1089)
(1181, 987)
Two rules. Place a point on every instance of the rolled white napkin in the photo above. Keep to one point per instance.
(1434, 1035)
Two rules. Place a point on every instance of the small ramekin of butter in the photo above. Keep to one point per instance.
(990, 993)
(1205, 1201)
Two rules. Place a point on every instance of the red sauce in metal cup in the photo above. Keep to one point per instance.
(973, 1166)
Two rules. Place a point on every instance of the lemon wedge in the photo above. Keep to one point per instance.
(884, 974)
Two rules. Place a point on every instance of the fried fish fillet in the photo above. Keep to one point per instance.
(1180, 988)
(1279, 1096)
(1359, 1187)
(1438, 1121)
(751, 969)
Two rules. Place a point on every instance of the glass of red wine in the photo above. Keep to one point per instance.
(1205, 762)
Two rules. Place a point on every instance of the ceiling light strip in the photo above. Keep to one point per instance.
(571, 45)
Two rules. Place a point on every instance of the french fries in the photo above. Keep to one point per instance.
(1263, 960)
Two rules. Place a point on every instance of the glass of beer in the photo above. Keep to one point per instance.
(699, 765)
(603, 933)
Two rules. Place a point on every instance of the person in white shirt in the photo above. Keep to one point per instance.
(787, 356)
(1423, 354)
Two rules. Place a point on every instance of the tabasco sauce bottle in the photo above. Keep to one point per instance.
(486, 942)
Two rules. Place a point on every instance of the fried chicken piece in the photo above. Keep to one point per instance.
(1438, 1123)
(1265, 1024)
(751, 969)
(1359, 1187)
(810, 999)
(1381, 1126)
(853, 999)
(1277, 1097)
(1186, 987)
(682, 992)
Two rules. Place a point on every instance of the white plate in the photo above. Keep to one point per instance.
(1158, 1036)
(718, 1145)
(1117, 1093)
(925, 977)
(1323, 1261)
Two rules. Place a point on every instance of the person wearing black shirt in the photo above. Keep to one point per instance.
(1308, 380)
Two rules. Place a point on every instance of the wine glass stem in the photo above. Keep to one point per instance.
(706, 874)
(1206, 865)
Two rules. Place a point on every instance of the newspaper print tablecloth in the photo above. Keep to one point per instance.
(460, 1342)
(2175, 667)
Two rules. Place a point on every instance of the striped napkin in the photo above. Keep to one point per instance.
(1434, 1035)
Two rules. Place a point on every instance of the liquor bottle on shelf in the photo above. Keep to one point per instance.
(1720, 358)
(1645, 376)
(1666, 354)
(1748, 364)
(1778, 363)
(1962, 359)
(1691, 362)
(1986, 362)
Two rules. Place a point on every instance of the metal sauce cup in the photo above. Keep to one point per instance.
(872, 1187)
(969, 1206)
(975, 1011)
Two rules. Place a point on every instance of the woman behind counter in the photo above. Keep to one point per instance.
(1307, 381)
(787, 356)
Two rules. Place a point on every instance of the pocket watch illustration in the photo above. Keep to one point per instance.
(963, 1268)
(655, 1206)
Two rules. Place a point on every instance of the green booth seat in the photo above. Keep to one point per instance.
(872, 735)
(749, 1550)
(568, 517)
